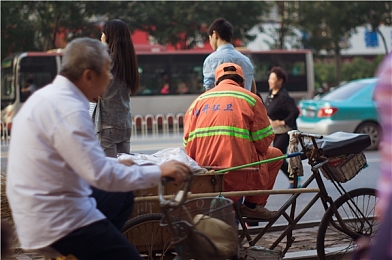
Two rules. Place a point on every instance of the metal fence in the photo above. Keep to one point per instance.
(143, 127)
(5, 138)
(156, 126)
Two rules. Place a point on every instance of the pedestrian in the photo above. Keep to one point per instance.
(112, 115)
(52, 167)
(28, 89)
(283, 113)
(165, 84)
(228, 126)
(220, 34)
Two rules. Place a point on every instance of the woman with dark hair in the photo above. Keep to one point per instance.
(283, 113)
(112, 116)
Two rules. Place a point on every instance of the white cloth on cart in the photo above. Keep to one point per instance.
(164, 155)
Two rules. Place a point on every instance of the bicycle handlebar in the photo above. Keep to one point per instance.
(179, 198)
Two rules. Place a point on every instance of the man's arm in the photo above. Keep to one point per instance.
(208, 74)
(74, 140)
(248, 70)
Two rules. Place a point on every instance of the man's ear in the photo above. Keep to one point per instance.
(88, 74)
(217, 36)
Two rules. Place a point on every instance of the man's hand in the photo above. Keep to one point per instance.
(127, 162)
(175, 169)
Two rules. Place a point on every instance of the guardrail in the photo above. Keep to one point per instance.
(5, 138)
(156, 126)
(153, 126)
(143, 127)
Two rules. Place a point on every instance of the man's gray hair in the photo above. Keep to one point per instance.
(82, 54)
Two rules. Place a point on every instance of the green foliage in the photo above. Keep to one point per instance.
(185, 23)
(17, 31)
(284, 32)
(37, 24)
(357, 68)
(326, 23)
(67, 18)
(34, 25)
(329, 24)
(324, 73)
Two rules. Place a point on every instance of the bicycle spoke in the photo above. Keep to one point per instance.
(357, 209)
(153, 241)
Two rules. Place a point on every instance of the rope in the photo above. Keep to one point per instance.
(294, 162)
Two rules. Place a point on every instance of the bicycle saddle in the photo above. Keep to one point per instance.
(341, 143)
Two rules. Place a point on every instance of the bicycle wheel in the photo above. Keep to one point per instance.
(151, 239)
(332, 242)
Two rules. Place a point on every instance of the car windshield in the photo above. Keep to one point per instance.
(344, 91)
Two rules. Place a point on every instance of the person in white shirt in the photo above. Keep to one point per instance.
(54, 157)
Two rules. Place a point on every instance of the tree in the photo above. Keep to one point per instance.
(284, 28)
(35, 25)
(38, 24)
(184, 24)
(53, 18)
(17, 31)
(328, 25)
(376, 13)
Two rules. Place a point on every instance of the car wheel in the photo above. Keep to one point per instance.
(373, 130)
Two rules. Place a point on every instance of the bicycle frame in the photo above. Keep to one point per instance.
(316, 159)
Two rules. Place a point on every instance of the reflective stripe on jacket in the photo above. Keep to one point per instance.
(228, 126)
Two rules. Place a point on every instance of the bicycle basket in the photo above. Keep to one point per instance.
(344, 167)
(204, 229)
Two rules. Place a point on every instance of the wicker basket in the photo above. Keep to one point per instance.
(343, 168)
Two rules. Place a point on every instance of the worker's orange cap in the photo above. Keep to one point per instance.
(227, 68)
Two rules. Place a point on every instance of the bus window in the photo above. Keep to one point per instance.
(187, 73)
(152, 71)
(294, 65)
(42, 69)
(180, 71)
(37, 80)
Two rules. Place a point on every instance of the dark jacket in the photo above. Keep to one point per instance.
(282, 107)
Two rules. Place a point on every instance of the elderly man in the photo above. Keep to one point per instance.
(228, 126)
(54, 157)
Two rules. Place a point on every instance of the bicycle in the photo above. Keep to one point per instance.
(338, 157)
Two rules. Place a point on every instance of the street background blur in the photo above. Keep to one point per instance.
(348, 39)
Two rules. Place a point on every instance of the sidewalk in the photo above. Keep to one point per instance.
(303, 247)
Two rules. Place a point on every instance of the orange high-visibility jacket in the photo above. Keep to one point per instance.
(228, 126)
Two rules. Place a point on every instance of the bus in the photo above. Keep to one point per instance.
(169, 80)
